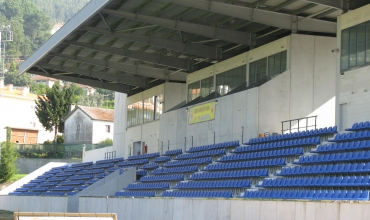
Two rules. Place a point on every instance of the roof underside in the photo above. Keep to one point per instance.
(132, 45)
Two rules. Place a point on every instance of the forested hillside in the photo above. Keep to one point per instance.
(60, 11)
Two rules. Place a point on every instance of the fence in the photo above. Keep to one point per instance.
(60, 151)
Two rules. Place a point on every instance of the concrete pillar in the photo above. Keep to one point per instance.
(120, 121)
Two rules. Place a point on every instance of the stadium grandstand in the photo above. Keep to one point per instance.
(224, 109)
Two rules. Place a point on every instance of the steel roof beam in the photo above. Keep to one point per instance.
(146, 71)
(116, 77)
(237, 37)
(196, 50)
(275, 19)
(338, 4)
(179, 63)
(90, 82)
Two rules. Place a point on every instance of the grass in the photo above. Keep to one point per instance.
(5, 215)
(14, 178)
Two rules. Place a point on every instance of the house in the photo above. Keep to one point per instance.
(17, 112)
(88, 125)
(47, 81)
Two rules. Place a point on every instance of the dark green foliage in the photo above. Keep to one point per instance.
(94, 100)
(52, 108)
(38, 88)
(12, 77)
(60, 11)
(8, 158)
(60, 139)
(30, 26)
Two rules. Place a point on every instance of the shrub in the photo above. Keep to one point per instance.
(107, 141)
(8, 165)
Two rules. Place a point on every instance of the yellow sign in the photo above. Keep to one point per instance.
(202, 113)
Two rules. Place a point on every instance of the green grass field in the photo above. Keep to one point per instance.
(5, 215)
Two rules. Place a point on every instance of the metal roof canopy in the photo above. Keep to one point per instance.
(132, 45)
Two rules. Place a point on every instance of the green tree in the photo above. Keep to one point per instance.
(53, 107)
(107, 141)
(8, 158)
(92, 100)
(30, 26)
(38, 88)
(12, 77)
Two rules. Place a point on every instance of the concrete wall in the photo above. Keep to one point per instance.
(307, 89)
(29, 177)
(28, 165)
(353, 85)
(97, 154)
(232, 113)
(78, 135)
(148, 133)
(193, 209)
(99, 131)
(174, 94)
(33, 204)
(104, 187)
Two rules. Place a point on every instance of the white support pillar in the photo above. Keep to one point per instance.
(120, 121)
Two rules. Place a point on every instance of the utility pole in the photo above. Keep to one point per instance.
(6, 35)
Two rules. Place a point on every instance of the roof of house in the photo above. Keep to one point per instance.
(43, 78)
(94, 113)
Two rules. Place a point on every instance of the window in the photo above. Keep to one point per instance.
(153, 108)
(206, 86)
(355, 46)
(135, 114)
(193, 91)
(229, 80)
(257, 70)
(145, 111)
(277, 64)
(149, 109)
(107, 128)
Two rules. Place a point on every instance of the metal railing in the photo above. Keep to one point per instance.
(60, 151)
(303, 124)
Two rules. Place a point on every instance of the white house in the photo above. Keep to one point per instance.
(47, 81)
(17, 111)
(88, 125)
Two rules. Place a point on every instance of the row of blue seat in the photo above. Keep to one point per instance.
(133, 162)
(359, 135)
(201, 154)
(214, 146)
(135, 194)
(198, 194)
(174, 177)
(162, 159)
(82, 164)
(115, 160)
(230, 174)
(150, 166)
(326, 169)
(339, 181)
(359, 126)
(309, 194)
(247, 164)
(94, 171)
(135, 186)
(335, 157)
(277, 145)
(175, 170)
(173, 152)
(342, 146)
(99, 166)
(189, 162)
(262, 154)
(143, 156)
(141, 172)
(213, 184)
(295, 135)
